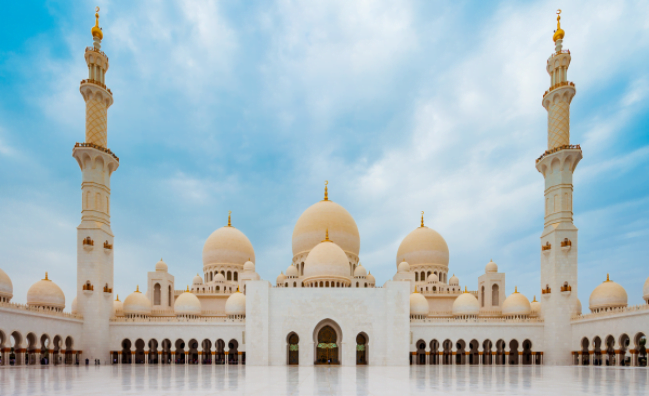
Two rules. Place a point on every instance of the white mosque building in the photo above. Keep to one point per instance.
(326, 308)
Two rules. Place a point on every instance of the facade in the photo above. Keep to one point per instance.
(326, 308)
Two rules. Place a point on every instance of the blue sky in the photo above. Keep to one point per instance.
(403, 106)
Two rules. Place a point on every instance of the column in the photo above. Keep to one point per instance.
(506, 358)
(159, 357)
(119, 357)
(480, 355)
(227, 356)
(213, 353)
(186, 357)
(132, 356)
(173, 357)
(146, 356)
(453, 355)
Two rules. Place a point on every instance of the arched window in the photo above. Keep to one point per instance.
(294, 284)
(218, 288)
(171, 296)
(416, 276)
(482, 297)
(494, 295)
(229, 277)
(156, 294)
(236, 276)
(422, 276)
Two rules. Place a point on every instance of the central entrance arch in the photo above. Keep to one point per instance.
(327, 339)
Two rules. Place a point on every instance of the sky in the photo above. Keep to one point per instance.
(403, 106)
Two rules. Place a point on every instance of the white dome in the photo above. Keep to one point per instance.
(433, 278)
(280, 278)
(161, 266)
(236, 304)
(418, 304)
(137, 304)
(6, 287)
(423, 246)
(292, 271)
(466, 305)
(187, 304)
(74, 306)
(370, 278)
(227, 245)
(118, 307)
(645, 290)
(516, 304)
(249, 266)
(46, 293)
(576, 307)
(219, 277)
(326, 260)
(609, 294)
(360, 271)
(491, 267)
(535, 308)
(197, 280)
(321, 216)
(454, 281)
(404, 266)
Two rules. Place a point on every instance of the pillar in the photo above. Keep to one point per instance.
(227, 356)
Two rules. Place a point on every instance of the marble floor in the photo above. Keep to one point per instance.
(248, 380)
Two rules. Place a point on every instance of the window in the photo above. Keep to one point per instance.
(229, 277)
(236, 276)
(482, 297)
(171, 295)
(156, 294)
(494, 295)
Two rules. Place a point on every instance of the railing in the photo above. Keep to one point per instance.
(107, 245)
(612, 312)
(566, 288)
(96, 82)
(40, 310)
(559, 52)
(422, 290)
(88, 287)
(93, 49)
(98, 147)
(547, 290)
(87, 240)
(559, 85)
(556, 149)
(477, 320)
(175, 319)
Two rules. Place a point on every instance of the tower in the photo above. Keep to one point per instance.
(94, 236)
(559, 238)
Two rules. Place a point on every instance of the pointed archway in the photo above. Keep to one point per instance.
(327, 337)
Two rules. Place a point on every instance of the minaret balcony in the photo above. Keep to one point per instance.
(559, 85)
(88, 244)
(96, 82)
(566, 245)
(108, 247)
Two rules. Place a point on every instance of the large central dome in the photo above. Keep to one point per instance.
(227, 245)
(313, 223)
(423, 246)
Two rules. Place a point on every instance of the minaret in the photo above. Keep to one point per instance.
(94, 236)
(559, 238)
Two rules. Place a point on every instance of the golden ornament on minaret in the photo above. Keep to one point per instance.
(96, 30)
(559, 33)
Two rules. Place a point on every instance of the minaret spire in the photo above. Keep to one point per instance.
(326, 197)
(422, 218)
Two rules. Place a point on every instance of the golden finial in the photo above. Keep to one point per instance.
(229, 218)
(327, 236)
(46, 278)
(515, 289)
(137, 289)
(422, 218)
(117, 298)
(187, 288)
(326, 190)
(607, 279)
(466, 289)
(96, 30)
(416, 289)
(534, 299)
(559, 33)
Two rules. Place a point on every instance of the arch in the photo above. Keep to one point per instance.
(486, 353)
(30, 352)
(527, 352)
(69, 352)
(482, 297)
(45, 344)
(447, 353)
(416, 276)
(139, 351)
(192, 354)
(474, 355)
(179, 351)
(625, 342)
(153, 351)
(220, 352)
(500, 352)
(233, 352)
(640, 343)
(156, 294)
(460, 356)
(597, 351)
(513, 352)
(236, 276)
(585, 354)
(421, 352)
(434, 352)
(327, 336)
(170, 295)
(126, 351)
(495, 293)
(292, 349)
(206, 349)
(610, 351)
(229, 275)
(57, 342)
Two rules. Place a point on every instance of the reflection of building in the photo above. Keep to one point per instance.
(326, 307)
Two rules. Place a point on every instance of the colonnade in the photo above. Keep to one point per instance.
(156, 357)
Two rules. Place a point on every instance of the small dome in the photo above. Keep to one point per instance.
(418, 304)
(219, 277)
(249, 266)
(491, 267)
(118, 307)
(292, 271)
(535, 307)
(227, 245)
(370, 278)
(187, 304)
(137, 304)
(645, 290)
(45, 293)
(466, 305)
(360, 271)
(403, 266)
(74, 306)
(236, 304)
(423, 246)
(197, 280)
(326, 260)
(433, 278)
(161, 266)
(454, 281)
(576, 307)
(516, 304)
(609, 294)
(280, 279)
(6, 287)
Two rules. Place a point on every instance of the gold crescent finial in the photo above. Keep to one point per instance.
(326, 198)
(46, 278)
(97, 9)
(96, 30)
(229, 218)
(559, 33)
(607, 279)
(422, 218)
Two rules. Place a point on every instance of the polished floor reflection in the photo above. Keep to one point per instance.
(248, 380)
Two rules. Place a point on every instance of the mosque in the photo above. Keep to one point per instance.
(326, 307)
